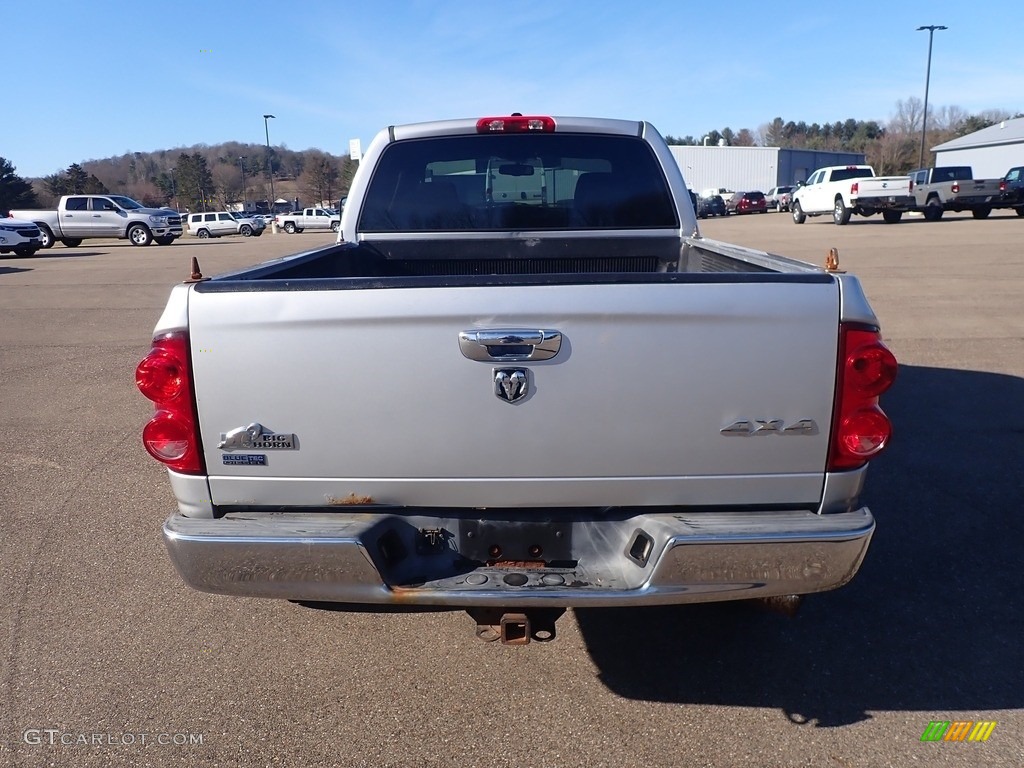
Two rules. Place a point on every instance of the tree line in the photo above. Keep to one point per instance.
(202, 177)
(893, 148)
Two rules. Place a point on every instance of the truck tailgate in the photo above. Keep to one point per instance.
(385, 407)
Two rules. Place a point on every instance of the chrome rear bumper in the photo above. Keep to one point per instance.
(372, 556)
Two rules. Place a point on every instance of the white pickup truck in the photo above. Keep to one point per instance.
(566, 399)
(80, 217)
(308, 218)
(843, 190)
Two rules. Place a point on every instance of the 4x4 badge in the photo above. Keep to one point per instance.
(511, 384)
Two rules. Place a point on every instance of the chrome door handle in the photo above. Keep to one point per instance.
(510, 344)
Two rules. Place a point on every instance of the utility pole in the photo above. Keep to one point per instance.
(270, 161)
(241, 164)
(927, 78)
(174, 191)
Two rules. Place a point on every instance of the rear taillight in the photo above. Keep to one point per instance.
(515, 124)
(855, 188)
(165, 377)
(860, 430)
(1002, 186)
(911, 188)
(956, 187)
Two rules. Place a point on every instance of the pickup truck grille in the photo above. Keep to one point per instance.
(425, 267)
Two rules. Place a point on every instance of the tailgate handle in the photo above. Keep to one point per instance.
(510, 344)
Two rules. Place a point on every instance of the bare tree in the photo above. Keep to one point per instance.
(908, 117)
(892, 153)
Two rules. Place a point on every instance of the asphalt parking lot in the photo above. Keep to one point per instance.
(106, 646)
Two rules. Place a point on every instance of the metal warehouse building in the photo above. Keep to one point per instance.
(742, 169)
(991, 152)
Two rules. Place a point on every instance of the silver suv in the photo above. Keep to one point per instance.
(778, 198)
(220, 223)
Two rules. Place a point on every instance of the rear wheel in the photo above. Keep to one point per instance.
(841, 214)
(1020, 211)
(933, 210)
(334, 226)
(289, 227)
(71, 242)
(47, 236)
(203, 234)
(981, 213)
(139, 234)
(891, 217)
(798, 213)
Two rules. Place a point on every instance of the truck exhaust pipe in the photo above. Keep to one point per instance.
(787, 605)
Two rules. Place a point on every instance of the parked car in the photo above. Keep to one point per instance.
(711, 206)
(776, 196)
(748, 202)
(78, 217)
(843, 190)
(952, 188)
(1011, 190)
(23, 238)
(219, 223)
(309, 218)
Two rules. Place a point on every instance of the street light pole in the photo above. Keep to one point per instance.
(927, 78)
(241, 164)
(270, 162)
(174, 192)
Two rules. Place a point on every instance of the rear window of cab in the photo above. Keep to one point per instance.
(546, 181)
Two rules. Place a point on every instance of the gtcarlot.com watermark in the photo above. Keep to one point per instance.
(56, 737)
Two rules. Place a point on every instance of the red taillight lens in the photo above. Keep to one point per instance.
(870, 369)
(860, 430)
(165, 377)
(865, 432)
(160, 376)
(855, 188)
(956, 187)
(166, 438)
(515, 124)
(1002, 186)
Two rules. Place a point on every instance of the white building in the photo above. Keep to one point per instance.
(990, 152)
(744, 169)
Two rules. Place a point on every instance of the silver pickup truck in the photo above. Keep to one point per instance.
(80, 217)
(308, 218)
(952, 188)
(521, 381)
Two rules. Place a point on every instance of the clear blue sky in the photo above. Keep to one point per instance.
(87, 80)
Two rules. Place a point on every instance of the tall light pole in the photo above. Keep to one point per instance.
(270, 162)
(241, 164)
(174, 191)
(927, 78)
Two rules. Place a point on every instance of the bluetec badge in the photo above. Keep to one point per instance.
(247, 459)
